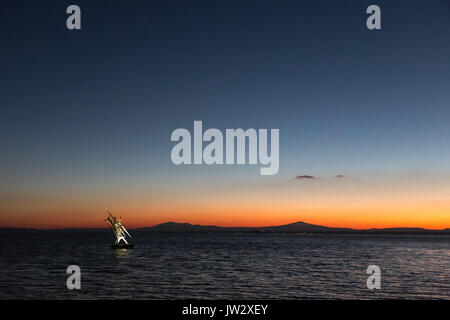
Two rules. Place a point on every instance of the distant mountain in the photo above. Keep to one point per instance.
(296, 227)
(182, 227)
(301, 226)
(407, 230)
(187, 227)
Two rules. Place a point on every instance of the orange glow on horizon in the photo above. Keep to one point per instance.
(351, 205)
(232, 218)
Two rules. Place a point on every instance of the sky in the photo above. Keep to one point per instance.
(86, 115)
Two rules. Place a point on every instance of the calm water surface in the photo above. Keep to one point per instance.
(223, 266)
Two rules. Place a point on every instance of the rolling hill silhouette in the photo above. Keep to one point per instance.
(296, 227)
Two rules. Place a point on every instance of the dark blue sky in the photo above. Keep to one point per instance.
(98, 105)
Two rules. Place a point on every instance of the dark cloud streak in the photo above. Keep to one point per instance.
(305, 176)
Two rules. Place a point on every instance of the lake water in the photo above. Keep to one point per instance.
(223, 266)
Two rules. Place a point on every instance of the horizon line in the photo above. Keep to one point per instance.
(228, 227)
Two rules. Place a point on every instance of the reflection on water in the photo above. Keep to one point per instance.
(121, 253)
(227, 266)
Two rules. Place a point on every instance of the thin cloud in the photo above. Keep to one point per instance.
(305, 176)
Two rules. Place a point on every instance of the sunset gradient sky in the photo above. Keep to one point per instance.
(86, 116)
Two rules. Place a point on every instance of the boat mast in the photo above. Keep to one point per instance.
(119, 230)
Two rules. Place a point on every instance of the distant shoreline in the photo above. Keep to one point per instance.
(296, 227)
